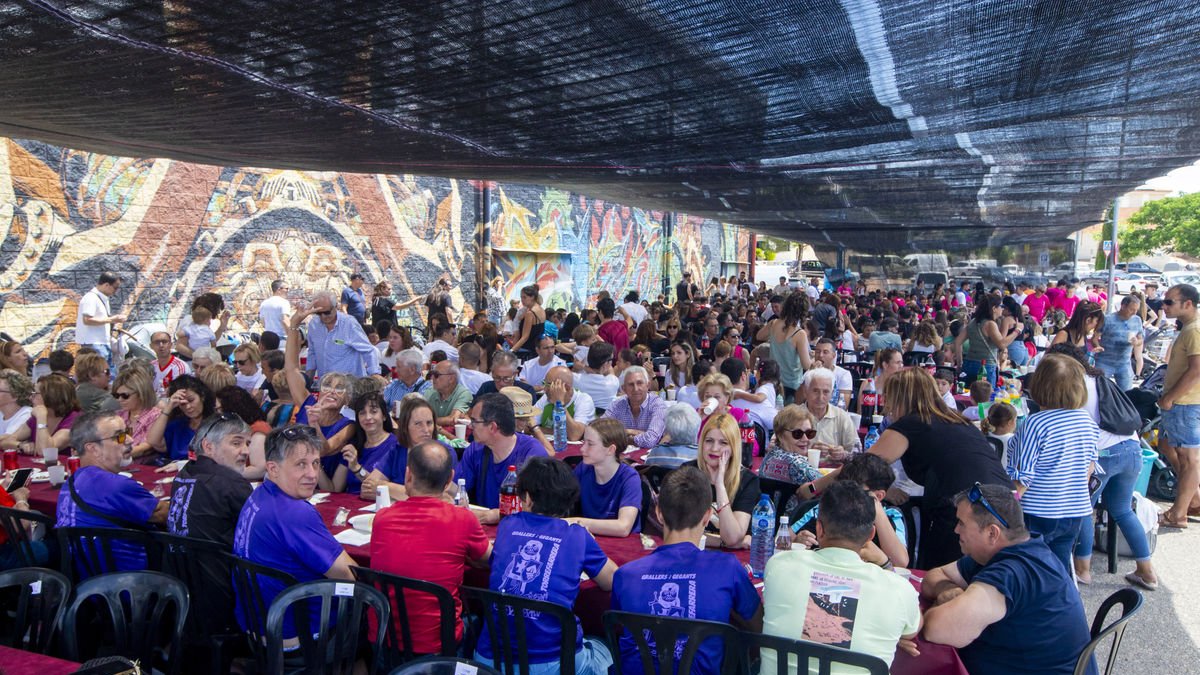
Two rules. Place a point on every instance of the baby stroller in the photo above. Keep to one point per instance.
(1163, 481)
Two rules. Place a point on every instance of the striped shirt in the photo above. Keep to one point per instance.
(651, 419)
(1050, 455)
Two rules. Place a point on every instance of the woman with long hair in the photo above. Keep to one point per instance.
(373, 441)
(789, 344)
(532, 325)
(383, 306)
(683, 357)
(888, 361)
(648, 336)
(983, 339)
(1083, 330)
(414, 425)
(735, 490)
(925, 339)
(134, 392)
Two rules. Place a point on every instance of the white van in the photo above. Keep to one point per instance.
(926, 262)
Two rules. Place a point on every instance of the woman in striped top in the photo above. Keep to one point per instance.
(1052, 455)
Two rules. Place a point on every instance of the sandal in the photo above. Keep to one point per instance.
(1194, 512)
(1135, 579)
(1163, 521)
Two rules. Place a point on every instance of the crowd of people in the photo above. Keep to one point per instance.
(335, 396)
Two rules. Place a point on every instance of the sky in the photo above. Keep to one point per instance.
(1185, 179)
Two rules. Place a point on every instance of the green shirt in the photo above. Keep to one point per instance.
(459, 399)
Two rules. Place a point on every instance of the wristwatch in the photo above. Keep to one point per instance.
(362, 471)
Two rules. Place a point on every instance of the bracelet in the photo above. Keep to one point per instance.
(887, 564)
(812, 489)
(42, 426)
(20, 501)
(722, 507)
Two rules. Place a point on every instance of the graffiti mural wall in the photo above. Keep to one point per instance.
(172, 230)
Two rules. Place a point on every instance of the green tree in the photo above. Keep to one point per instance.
(1171, 223)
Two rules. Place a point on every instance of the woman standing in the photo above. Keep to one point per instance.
(735, 490)
(984, 340)
(134, 391)
(495, 301)
(788, 344)
(188, 402)
(533, 323)
(383, 306)
(1051, 457)
(372, 443)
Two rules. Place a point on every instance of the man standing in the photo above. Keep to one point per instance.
(813, 291)
(278, 528)
(1154, 306)
(449, 399)
(275, 311)
(1122, 343)
(634, 313)
(336, 342)
(686, 290)
(1008, 604)
(484, 464)
(423, 537)
(825, 356)
(408, 377)
(95, 315)
(534, 371)
(644, 416)
(1180, 403)
(355, 299)
(830, 595)
(166, 365)
(782, 288)
(560, 388)
(98, 496)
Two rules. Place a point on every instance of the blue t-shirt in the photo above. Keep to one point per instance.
(370, 459)
(1045, 628)
(287, 534)
(604, 502)
(395, 463)
(355, 302)
(1115, 340)
(110, 494)
(681, 581)
(541, 558)
(178, 436)
(329, 463)
(470, 468)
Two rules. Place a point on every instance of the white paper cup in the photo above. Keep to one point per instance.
(50, 455)
(856, 419)
(671, 393)
(460, 430)
(814, 458)
(58, 474)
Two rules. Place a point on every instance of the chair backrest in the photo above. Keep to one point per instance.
(1130, 600)
(34, 599)
(399, 590)
(249, 603)
(685, 635)
(143, 608)
(510, 638)
(202, 566)
(13, 521)
(332, 647)
(780, 491)
(805, 652)
(914, 358)
(92, 551)
(444, 665)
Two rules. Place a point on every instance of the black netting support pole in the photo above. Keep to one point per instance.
(668, 239)
(483, 241)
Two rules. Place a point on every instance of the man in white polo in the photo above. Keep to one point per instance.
(93, 321)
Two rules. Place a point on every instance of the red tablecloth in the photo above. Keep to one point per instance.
(18, 662)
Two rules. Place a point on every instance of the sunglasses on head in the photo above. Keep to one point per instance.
(797, 434)
(975, 496)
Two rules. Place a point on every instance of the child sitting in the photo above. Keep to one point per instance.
(1000, 424)
(981, 392)
(944, 378)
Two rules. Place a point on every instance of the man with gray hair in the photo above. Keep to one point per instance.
(836, 435)
(336, 341)
(206, 497)
(644, 416)
(448, 398)
(504, 374)
(279, 528)
(679, 443)
(409, 364)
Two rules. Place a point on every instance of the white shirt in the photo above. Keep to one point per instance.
(689, 396)
(635, 312)
(534, 373)
(763, 412)
(430, 348)
(948, 398)
(842, 382)
(472, 379)
(960, 298)
(271, 313)
(812, 292)
(585, 408)
(93, 304)
(602, 388)
(198, 337)
(9, 425)
(164, 374)
(384, 359)
(250, 382)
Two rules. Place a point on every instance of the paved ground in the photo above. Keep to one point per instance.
(1164, 638)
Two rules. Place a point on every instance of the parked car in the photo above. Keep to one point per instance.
(1139, 267)
(1169, 279)
(1134, 281)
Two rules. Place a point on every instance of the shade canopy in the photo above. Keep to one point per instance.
(882, 125)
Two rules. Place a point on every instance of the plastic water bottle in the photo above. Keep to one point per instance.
(783, 540)
(560, 428)
(510, 503)
(762, 536)
(872, 437)
(462, 498)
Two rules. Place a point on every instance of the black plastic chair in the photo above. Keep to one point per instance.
(248, 600)
(35, 599)
(14, 521)
(399, 590)
(780, 491)
(91, 551)
(654, 474)
(510, 638)
(211, 627)
(147, 612)
(1130, 600)
(644, 628)
(444, 665)
(333, 646)
(804, 652)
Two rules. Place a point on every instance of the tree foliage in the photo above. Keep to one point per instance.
(1171, 223)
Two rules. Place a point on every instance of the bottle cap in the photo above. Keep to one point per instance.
(512, 467)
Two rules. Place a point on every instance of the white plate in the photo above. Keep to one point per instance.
(363, 522)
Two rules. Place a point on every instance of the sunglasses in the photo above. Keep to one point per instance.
(124, 396)
(797, 434)
(975, 496)
(121, 436)
(325, 312)
(241, 362)
(1168, 302)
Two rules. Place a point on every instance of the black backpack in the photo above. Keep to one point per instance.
(1117, 413)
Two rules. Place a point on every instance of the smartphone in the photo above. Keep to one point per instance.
(20, 478)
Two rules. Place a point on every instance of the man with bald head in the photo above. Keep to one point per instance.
(336, 341)
(580, 408)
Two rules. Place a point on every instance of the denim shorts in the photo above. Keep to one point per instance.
(1182, 424)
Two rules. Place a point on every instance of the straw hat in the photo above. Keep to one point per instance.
(521, 400)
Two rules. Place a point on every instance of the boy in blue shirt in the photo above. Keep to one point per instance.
(680, 580)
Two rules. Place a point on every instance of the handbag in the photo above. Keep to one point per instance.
(1117, 413)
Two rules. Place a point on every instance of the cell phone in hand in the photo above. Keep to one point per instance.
(20, 479)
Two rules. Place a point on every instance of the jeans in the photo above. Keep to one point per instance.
(1122, 373)
(10, 559)
(1017, 353)
(1121, 469)
(105, 351)
(971, 370)
(592, 659)
(1182, 424)
(1059, 534)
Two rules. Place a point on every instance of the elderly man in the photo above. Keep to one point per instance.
(534, 371)
(424, 537)
(278, 528)
(644, 416)
(95, 316)
(504, 374)
(1009, 590)
(836, 435)
(1122, 343)
(98, 496)
(484, 464)
(166, 365)
(560, 388)
(449, 399)
(409, 364)
(336, 341)
(825, 355)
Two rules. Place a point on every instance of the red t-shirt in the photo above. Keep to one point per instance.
(426, 538)
(7, 501)
(615, 333)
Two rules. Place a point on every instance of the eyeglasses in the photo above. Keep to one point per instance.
(797, 434)
(123, 395)
(975, 496)
(1168, 302)
(241, 362)
(475, 422)
(121, 437)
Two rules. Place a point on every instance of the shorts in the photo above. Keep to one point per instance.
(1182, 425)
